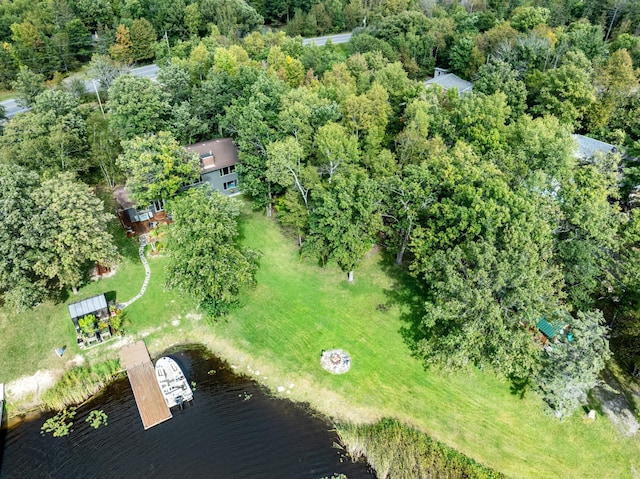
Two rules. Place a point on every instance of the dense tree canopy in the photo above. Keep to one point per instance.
(157, 167)
(68, 228)
(138, 106)
(480, 196)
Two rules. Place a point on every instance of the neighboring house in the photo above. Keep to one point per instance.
(448, 81)
(218, 160)
(96, 305)
(588, 147)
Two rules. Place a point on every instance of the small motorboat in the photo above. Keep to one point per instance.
(173, 383)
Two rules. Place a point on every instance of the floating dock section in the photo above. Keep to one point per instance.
(142, 376)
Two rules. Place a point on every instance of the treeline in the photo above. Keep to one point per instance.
(59, 36)
(480, 196)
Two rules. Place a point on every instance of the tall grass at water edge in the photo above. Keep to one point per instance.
(80, 383)
(396, 451)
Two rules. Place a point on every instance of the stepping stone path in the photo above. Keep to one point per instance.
(336, 361)
(147, 273)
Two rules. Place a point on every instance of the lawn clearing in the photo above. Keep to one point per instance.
(299, 309)
(28, 339)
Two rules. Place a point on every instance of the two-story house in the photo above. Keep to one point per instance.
(218, 160)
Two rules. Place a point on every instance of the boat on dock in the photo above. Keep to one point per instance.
(173, 383)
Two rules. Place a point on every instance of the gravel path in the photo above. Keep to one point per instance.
(147, 273)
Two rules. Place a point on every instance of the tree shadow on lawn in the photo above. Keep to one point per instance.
(127, 247)
(408, 295)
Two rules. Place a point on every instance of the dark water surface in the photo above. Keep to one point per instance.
(231, 430)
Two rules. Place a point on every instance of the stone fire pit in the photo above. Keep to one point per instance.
(336, 361)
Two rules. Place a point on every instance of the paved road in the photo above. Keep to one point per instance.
(12, 108)
(150, 71)
(320, 41)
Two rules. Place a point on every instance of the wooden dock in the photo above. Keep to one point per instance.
(142, 376)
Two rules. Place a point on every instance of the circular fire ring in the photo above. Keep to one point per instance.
(335, 361)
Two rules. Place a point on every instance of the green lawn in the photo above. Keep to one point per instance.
(28, 340)
(298, 309)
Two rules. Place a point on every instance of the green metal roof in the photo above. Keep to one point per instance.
(546, 328)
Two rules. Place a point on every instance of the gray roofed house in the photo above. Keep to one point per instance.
(588, 147)
(218, 159)
(448, 81)
(96, 305)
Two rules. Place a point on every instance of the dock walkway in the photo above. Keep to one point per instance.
(142, 376)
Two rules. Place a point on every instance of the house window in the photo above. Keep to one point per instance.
(158, 205)
(227, 170)
(230, 184)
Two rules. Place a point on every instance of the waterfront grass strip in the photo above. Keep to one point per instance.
(80, 383)
(298, 309)
(400, 452)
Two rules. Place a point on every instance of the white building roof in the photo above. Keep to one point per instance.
(588, 147)
(449, 81)
(87, 306)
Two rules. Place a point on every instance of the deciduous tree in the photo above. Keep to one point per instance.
(28, 86)
(138, 106)
(344, 220)
(20, 286)
(67, 230)
(157, 167)
(205, 260)
(570, 367)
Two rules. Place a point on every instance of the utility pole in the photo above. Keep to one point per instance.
(98, 95)
(166, 39)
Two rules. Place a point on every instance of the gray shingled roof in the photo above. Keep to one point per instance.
(588, 147)
(87, 306)
(451, 80)
(216, 154)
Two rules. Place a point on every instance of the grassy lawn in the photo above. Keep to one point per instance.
(29, 339)
(298, 309)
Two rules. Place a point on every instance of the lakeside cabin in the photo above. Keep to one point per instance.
(218, 160)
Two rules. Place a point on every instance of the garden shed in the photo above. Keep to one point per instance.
(96, 305)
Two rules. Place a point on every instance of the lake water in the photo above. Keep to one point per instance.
(230, 430)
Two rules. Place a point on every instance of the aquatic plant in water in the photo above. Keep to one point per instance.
(97, 418)
(59, 425)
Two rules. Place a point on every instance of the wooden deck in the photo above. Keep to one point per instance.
(142, 376)
(141, 227)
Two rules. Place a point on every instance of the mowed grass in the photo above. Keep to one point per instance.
(28, 340)
(298, 309)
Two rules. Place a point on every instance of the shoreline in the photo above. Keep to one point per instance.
(278, 384)
(355, 438)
